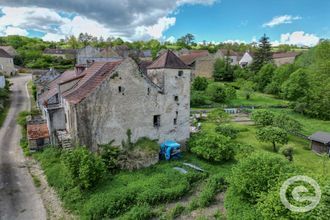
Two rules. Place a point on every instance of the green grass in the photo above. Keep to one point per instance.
(32, 100)
(258, 100)
(4, 112)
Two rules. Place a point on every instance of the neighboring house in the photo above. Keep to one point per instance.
(10, 50)
(88, 55)
(320, 142)
(7, 63)
(145, 55)
(47, 77)
(99, 104)
(64, 53)
(201, 63)
(233, 56)
(37, 132)
(2, 82)
(284, 58)
(246, 60)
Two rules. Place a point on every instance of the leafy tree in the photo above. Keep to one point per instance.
(219, 70)
(264, 76)
(263, 54)
(281, 74)
(221, 93)
(287, 123)
(73, 42)
(296, 86)
(86, 168)
(263, 117)
(200, 83)
(247, 87)
(198, 98)
(212, 147)
(109, 154)
(218, 116)
(256, 174)
(274, 135)
(186, 41)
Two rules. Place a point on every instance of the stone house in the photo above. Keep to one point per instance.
(7, 63)
(89, 54)
(10, 50)
(233, 56)
(99, 104)
(201, 62)
(284, 58)
(37, 133)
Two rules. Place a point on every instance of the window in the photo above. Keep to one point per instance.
(148, 91)
(175, 121)
(177, 113)
(180, 73)
(120, 89)
(176, 98)
(156, 121)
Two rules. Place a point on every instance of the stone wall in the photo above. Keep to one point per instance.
(108, 112)
(285, 60)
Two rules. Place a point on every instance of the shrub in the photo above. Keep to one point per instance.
(218, 115)
(200, 83)
(217, 93)
(85, 168)
(227, 130)
(140, 212)
(263, 117)
(287, 152)
(109, 155)
(198, 99)
(213, 185)
(212, 147)
(256, 174)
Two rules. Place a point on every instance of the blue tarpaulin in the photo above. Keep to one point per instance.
(170, 149)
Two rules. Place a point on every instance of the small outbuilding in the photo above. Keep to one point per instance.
(320, 142)
(37, 133)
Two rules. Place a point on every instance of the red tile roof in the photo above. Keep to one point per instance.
(94, 76)
(285, 55)
(168, 60)
(37, 131)
(191, 57)
(53, 85)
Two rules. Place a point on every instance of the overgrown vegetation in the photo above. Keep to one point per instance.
(4, 101)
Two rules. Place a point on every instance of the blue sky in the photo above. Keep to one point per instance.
(301, 22)
(243, 20)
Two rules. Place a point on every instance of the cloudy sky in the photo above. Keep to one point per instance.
(301, 22)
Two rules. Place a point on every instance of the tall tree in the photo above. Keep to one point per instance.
(263, 54)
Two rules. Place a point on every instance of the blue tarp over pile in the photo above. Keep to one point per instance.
(167, 147)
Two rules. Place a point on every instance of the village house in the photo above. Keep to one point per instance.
(10, 50)
(200, 61)
(99, 104)
(246, 60)
(89, 55)
(233, 56)
(64, 53)
(284, 58)
(320, 142)
(37, 132)
(7, 63)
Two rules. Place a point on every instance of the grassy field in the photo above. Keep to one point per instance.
(258, 100)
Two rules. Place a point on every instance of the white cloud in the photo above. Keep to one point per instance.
(171, 39)
(15, 31)
(234, 41)
(283, 19)
(126, 19)
(299, 38)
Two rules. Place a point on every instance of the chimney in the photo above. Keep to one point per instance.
(79, 69)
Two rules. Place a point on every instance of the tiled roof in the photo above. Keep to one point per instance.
(322, 137)
(53, 85)
(285, 55)
(37, 131)
(94, 76)
(3, 53)
(168, 60)
(231, 52)
(143, 66)
(190, 58)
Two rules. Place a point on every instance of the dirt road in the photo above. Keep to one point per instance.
(19, 198)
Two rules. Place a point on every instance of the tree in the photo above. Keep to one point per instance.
(85, 39)
(218, 116)
(73, 42)
(264, 76)
(296, 86)
(287, 123)
(281, 74)
(247, 87)
(186, 41)
(220, 93)
(212, 147)
(227, 130)
(263, 54)
(274, 135)
(263, 117)
(200, 83)
(219, 70)
(256, 174)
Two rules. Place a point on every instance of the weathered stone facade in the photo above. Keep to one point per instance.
(127, 100)
(7, 66)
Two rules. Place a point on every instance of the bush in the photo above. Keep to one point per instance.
(85, 168)
(287, 152)
(198, 99)
(214, 185)
(200, 83)
(263, 117)
(109, 155)
(221, 93)
(212, 147)
(227, 130)
(218, 116)
(257, 174)
(141, 212)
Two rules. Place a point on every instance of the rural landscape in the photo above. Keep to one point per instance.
(100, 122)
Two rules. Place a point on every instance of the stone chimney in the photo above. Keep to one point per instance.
(79, 69)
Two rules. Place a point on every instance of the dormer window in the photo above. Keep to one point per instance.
(180, 73)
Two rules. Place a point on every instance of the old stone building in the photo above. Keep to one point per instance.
(89, 54)
(64, 53)
(6, 63)
(284, 58)
(99, 104)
